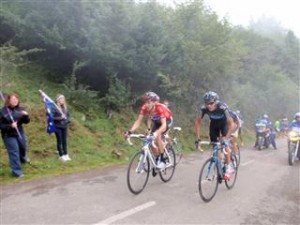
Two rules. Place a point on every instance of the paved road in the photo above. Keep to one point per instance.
(266, 192)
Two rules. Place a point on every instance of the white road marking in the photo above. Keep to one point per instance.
(246, 163)
(126, 213)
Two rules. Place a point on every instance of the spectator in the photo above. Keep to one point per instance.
(12, 117)
(61, 117)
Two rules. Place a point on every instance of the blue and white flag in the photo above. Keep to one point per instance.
(50, 106)
(50, 121)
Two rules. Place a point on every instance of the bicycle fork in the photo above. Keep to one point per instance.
(141, 165)
(219, 173)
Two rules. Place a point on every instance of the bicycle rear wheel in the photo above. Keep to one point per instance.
(170, 159)
(208, 180)
(138, 172)
(230, 183)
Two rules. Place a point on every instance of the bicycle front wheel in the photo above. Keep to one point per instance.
(138, 172)
(170, 159)
(178, 152)
(208, 180)
(230, 182)
(238, 155)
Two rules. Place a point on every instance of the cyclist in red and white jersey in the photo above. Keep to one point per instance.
(159, 120)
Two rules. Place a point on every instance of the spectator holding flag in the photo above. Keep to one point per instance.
(12, 117)
(58, 119)
(61, 118)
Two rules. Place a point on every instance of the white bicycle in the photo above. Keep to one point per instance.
(143, 161)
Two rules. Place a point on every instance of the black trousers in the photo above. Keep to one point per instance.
(61, 139)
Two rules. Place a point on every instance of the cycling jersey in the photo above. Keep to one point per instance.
(284, 124)
(218, 119)
(159, 112)
(220, 113)
(295, 124)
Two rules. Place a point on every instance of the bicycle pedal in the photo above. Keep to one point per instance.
(154, 173)
(220, 179)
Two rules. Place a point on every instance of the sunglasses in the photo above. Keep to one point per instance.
(209, 103)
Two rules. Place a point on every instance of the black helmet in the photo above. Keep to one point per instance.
(150, 96)
(210, 97)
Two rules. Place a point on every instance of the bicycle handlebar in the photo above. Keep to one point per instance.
(139, 136)
(210, 143)
(177, 128)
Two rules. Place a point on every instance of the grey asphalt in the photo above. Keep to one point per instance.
(266, 192)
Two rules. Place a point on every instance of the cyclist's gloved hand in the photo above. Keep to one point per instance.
(197, 142)
(225, 143)
(148, 131)
(127, 134)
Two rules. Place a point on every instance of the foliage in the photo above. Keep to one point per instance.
(118, 95)
(178, 52)
(79, 94)
(11, 57)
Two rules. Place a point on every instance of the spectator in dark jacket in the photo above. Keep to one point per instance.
(61, 117)
(12, 116)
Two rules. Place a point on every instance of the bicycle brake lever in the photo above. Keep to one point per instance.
(129, 142)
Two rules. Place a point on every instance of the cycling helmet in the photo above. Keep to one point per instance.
(265, 116)
(150, 96)
(297, 115)
(210, 97)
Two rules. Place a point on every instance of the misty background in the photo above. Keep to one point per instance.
(107, 53)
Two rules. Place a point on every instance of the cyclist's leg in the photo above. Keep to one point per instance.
(233, 141)
(161, 161)
(228, 164)
(224, 131)
(155, 151)
(166, 133)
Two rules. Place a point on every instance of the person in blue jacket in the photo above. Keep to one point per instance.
(296, 122)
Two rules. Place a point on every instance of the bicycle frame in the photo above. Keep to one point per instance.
(148, 153)
(146, 148)
(212, 172)
(215, 158)
(143, 161)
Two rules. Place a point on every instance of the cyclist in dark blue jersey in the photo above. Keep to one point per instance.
(221, 124)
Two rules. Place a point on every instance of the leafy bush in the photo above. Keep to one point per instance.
(118, 95)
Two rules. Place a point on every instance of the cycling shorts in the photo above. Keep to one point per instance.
(216, 128)
(156, 126)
